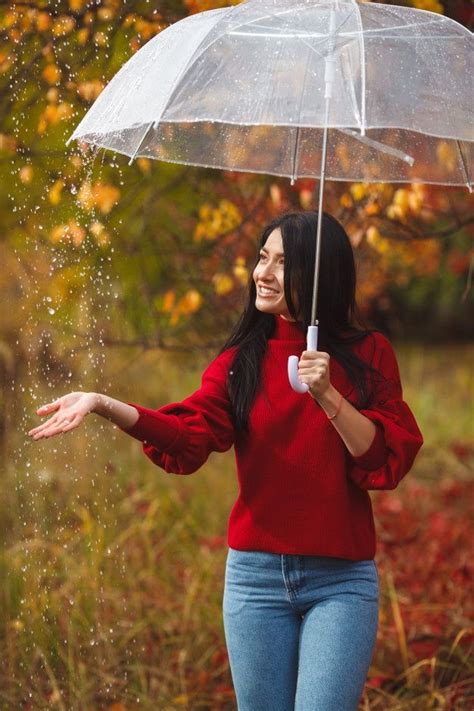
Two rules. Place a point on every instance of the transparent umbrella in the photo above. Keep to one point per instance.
(322, 89)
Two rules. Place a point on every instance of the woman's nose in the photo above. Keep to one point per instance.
(266, 270)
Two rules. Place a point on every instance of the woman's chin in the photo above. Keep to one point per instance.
(272, 309)
(266, 308)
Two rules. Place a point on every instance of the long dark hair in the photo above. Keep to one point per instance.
(336, 309)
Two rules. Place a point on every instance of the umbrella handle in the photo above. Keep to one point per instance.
(312, 345)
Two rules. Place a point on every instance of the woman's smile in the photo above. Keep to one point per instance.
(266, 291)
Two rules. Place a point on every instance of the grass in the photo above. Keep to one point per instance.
(112, 571)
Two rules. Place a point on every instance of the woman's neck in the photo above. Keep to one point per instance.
(286, 330)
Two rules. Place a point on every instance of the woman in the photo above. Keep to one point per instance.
(301, 587)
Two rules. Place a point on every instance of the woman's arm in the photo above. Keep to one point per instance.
(362, 437)
(118, 412)
(382, 439)
(356, 430)
(67, 412)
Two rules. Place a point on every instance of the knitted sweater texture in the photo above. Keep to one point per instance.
(300, 489)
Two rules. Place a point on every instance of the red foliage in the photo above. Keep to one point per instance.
(425, 533)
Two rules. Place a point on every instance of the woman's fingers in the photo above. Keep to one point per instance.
(44, 425)
(55, 425)
(49, 407)
(59, 427)
(72, 424)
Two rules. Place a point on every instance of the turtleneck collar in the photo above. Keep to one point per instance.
(288, 330)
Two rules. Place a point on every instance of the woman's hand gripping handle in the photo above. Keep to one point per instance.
(312, 345)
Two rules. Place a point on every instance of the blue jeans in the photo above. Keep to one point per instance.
(300, 630)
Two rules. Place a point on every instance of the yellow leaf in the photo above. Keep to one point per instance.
(190, 302)
(82, 35)
(57, 233)
(100, 39)
(43, 21)
(26, 174)
(144, 164)
(51, 73)
(76, 232)
(97, 229)
(52, 95)
(54, 193)
(240, 271)
(85, 197)
(275, 194)
(394, 212)
(401, 199)
(77, 5)
(372, 208)
(9, 20)
(90, 90)
(430, 5)
(205, 211)
(63, 25)
(222, 284)
(146, 29)
(168, 300)
(5, 62)
(199, 232)
(105, 196)
(306, 197)
(358, 191)
(105, 14)
(373, 236)
(345, 200)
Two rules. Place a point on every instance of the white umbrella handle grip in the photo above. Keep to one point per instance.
(312, 345)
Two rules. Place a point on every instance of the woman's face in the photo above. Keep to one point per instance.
(268, 277)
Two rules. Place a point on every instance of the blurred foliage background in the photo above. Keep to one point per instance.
(119, 279)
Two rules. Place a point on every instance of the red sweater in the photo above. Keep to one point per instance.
(301, 491)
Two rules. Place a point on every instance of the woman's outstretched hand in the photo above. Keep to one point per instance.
(69, 411)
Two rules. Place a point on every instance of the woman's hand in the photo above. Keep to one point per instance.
(69, 411)
(313, 369)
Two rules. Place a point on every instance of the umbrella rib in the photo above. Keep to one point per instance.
(145, 133)
(373, 30)
(464, 167)
(351, 33)
(294, 168)
(347, 78)
(382, 147)
(363, 70)
(301, 35)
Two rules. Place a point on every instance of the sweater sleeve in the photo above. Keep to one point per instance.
(398, 437)
(179, 437)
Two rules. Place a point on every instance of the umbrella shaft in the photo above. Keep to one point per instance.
(322, 177)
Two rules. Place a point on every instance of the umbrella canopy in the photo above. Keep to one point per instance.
(299, 88)
(244, 88)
